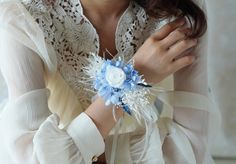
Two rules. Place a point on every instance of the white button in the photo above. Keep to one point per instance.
(95, 159)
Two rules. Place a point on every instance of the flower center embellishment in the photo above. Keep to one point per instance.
(115, 76)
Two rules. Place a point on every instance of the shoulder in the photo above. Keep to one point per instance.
(39, 5)
(13, 9)
(142, 15)
(19, 25)
(9, 10)
(38, 8)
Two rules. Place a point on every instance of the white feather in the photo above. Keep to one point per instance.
(95, 65)
(139, 104)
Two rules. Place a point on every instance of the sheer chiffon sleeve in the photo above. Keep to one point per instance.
(190, 133)
(30, 131)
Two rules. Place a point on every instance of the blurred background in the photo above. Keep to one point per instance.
(222, 77)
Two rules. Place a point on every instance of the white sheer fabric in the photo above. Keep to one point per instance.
(29, 63)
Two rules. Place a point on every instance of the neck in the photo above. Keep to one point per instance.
(104, 8)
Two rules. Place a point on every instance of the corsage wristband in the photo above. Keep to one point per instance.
(118, 83)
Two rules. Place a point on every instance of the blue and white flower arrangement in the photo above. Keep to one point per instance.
(118, 83)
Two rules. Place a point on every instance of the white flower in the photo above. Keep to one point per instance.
(115, 76)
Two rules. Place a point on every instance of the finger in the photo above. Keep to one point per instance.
(182, 62)
(168, 28)
(174, 37)
(180, 48)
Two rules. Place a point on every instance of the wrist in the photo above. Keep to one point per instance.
(141, 70)
(137, 65)
(150, 76)
(102, 115)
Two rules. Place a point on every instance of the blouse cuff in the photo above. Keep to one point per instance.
(87, 137)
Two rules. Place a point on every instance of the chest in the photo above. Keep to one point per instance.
(107, 42)
(106, 33)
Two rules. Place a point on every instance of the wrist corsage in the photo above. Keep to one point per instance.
(118, 83)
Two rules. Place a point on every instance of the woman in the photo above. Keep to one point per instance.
(44, 48)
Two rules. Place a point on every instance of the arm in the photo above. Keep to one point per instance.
(186, 139)
(187, 130)
(27, 107)
(30, 128)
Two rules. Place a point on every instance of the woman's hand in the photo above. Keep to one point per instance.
(160, 55)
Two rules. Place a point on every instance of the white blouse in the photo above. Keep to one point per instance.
(43, 47)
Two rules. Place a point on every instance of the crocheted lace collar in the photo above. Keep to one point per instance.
(126, 19)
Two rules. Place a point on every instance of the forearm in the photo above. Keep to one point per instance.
(102, 115)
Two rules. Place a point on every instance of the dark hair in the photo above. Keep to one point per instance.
(166, 8)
